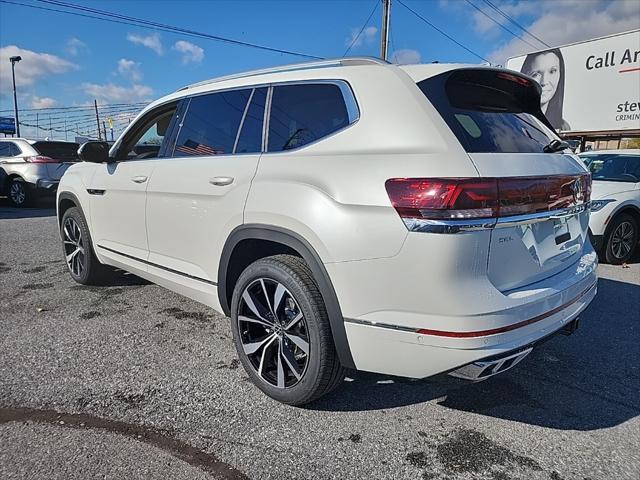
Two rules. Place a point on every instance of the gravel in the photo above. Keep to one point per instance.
(155, 381)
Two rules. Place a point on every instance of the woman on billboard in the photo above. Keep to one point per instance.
(547, 68)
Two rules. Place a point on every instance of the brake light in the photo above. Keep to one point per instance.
(478, 198)
(515, 78)
(41, 159)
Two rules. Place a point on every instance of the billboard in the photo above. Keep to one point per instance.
(7, 125)
(592, 86)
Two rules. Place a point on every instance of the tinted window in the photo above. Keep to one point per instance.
(250, 139)
(490, 111)
(211, 124)
(14, 149)
(301, 114)
(63, 151)
(612, 167)
(5, 149)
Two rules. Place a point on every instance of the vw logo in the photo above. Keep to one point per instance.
(576, 189)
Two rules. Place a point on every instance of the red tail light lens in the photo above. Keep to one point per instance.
(41, 159)
(443, 198)
(471, 198)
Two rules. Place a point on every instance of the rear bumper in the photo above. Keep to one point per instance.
(395, 351)
(417, 316)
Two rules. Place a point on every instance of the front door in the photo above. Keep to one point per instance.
(118, 189)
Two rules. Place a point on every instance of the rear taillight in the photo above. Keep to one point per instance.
(41, 159)
(479, 198)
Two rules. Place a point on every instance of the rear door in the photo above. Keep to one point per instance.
(196, 195)
(543, 195)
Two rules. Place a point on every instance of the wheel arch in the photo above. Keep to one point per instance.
(241, 247)
(629, 209)
(66, 200)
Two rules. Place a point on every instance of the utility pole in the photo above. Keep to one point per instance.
(13, 61)
(95, 105)
(50, 129)
(65, 129)
(104, 130)
(37, 126)
(386, 20)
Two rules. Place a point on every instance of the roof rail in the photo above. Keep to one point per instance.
(333, 62)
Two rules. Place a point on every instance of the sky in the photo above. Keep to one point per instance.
(70, 60)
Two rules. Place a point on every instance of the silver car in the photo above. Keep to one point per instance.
(29, 168)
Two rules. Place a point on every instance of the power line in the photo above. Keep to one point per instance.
(155, 26)
(355, 39)
(442, 32)
(501, 25)
(515, 23)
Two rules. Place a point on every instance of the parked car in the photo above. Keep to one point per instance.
(615, 210)
(29, 168)
(347, 214)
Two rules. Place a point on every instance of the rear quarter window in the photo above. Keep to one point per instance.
(490, 111)
(304, 113)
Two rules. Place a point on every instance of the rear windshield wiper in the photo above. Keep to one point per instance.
(555, 146)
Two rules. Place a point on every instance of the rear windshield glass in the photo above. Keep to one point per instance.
(490, 111)
(63, 151)
(614, 168)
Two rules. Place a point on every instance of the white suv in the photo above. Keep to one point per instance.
(347, 214)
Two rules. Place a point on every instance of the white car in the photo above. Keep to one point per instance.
(615, 210)
(347, 214)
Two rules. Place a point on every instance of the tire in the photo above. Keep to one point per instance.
(290, 356)
(77, 248)
(19, 193)
(621, 239)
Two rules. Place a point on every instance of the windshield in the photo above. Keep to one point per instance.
(62, 151)
(613, 167)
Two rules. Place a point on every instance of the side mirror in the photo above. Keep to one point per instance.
(94, 152)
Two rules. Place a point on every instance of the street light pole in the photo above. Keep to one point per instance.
(13, 61)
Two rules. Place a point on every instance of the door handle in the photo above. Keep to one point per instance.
(139, 179)
(221, 181)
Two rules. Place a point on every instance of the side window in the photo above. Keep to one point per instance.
(147, 138)
(211, 124)
(250, 138)
(5, 149)
(301, 114)
(14, 149)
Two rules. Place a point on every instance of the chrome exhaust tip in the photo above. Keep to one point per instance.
(483, 369)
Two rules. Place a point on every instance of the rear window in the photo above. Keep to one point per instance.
(490, 111)
(63, 151)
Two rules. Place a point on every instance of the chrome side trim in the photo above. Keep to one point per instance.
(473, 225)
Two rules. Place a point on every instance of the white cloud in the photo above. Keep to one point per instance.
(111, 93)
(150, 41)
(406, 56)
(567, 21)
(33, 67)
(368, 36)
(190, 52)
(74, 45)
(130, 69)
(43, 102)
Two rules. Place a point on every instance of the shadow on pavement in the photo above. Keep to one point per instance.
(43, 207)
(587, 381)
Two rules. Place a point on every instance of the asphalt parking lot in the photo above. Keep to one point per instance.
(134, 381)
